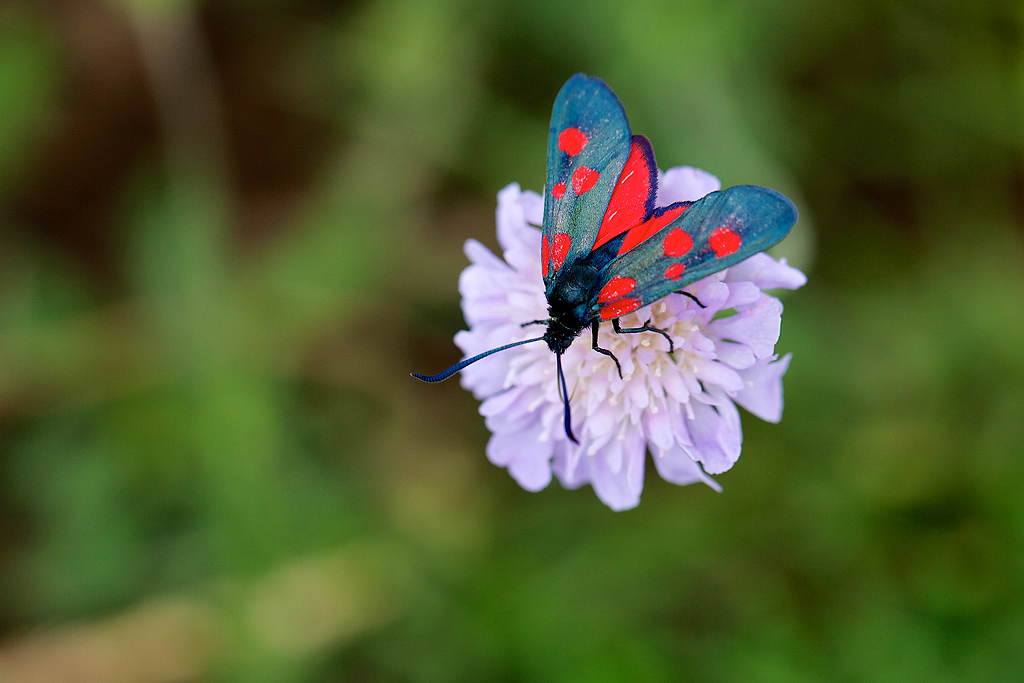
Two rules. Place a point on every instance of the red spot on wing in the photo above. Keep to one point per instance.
(571, 141)
(648, 228)
(628, 206)
(724, 241)
(675, 271)
(560, 244)
(545, 255)
(677, 242)
(558, 190)
(616, 288)
(620, 307)
(583, 179)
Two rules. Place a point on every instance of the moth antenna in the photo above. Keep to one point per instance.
(565, 399)
(442, 376)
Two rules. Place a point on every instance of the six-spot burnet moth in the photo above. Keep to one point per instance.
(606, 251)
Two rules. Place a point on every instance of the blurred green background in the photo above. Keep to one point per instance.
(229, 229)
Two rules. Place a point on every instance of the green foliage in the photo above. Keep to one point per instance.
(204, 350)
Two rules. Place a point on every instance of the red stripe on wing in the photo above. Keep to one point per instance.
(648, 228)
(632, 198)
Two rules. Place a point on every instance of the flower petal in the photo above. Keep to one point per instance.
(685, 184)
(742, 294)
(676, 467)
(767, 273)
(738, 356)
(532, 473)
(659, 426)
(533, 207)
(717, 437)
(572, 468)
(674, 386)
(619, 489)
(713, 295)
(762, 392)
(757, 327)
(712, 372)
(511, 218)
(527, 458)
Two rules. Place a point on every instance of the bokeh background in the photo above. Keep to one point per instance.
(230, 228)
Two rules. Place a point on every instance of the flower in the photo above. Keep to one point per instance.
(681, 407)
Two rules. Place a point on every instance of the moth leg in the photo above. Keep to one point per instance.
(691, 296)
(646, 328)
(606, 352)
(535, 322)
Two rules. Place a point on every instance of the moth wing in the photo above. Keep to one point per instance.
(632, 200)
(588, 145)
(706, 236)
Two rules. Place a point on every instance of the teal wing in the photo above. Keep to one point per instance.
(588, 145)
(711, 234)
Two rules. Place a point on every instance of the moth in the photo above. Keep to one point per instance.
(605, 249)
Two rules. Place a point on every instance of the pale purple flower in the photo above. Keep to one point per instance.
(680, 407)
